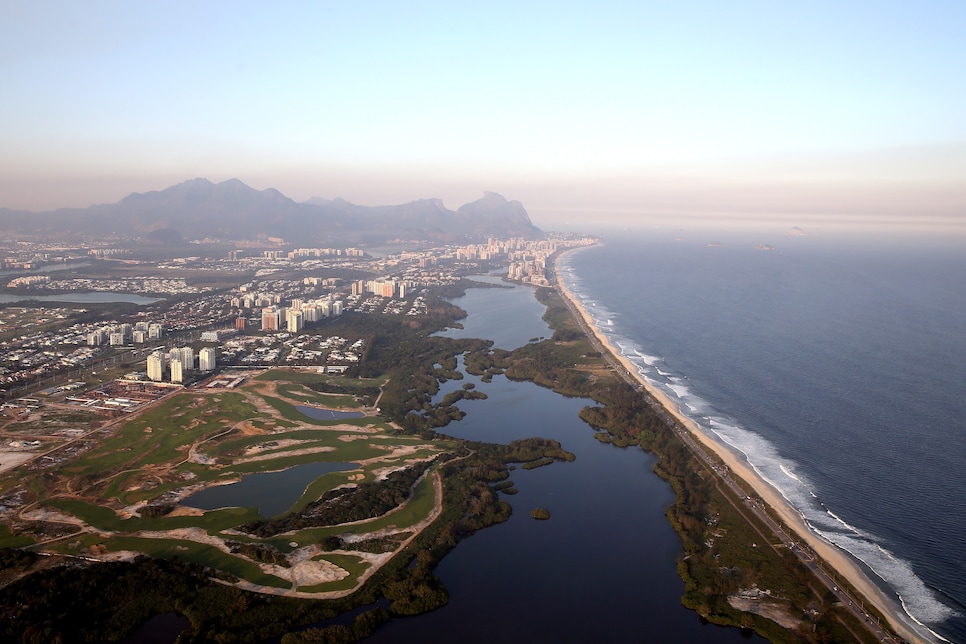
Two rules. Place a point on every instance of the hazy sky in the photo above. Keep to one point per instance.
(627, 109)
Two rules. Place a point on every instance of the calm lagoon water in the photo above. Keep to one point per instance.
(602, 569)
(271, 492)
(511, 317)
(91, 297)
(49, 268)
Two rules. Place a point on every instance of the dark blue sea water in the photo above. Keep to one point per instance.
(837, 366)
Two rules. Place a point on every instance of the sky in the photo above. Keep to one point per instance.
(626, 111)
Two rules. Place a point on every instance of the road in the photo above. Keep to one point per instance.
(737, 497)
(102, 363)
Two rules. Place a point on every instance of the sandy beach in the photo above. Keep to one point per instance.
(834, 557)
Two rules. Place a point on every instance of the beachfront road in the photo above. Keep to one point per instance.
(737, 496)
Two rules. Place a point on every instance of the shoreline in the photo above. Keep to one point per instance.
(839, 560)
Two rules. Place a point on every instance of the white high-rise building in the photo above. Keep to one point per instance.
(156, 366)
(294, 320)
(187, 357)
(177, 371)
(206, 359)
(311, 313)
(155, 331)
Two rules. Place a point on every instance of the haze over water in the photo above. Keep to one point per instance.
(836, 368)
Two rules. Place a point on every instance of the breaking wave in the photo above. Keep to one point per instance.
(919, 601)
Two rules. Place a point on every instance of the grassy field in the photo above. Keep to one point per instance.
(158, 434)
(300, 376)
(309, 397)
(52, 420)
(106, 520)
(10, 540)
(418, 508)
(197, 438)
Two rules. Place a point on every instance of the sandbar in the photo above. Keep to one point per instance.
(832, 555)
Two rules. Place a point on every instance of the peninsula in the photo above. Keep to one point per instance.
(822, 557)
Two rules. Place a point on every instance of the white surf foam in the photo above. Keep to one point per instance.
(648, 359)
(918, 601)
(844, 524)
(679, 390)
(788, 473)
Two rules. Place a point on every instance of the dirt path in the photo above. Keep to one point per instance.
(307, 571)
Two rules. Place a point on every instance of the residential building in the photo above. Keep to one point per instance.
(294, 320)
(177, 371)
(271, 318)
(206, 358)
(156, 366)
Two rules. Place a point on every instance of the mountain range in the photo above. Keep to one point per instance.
(231, 210)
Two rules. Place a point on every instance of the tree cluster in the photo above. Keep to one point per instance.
(361, 627)
(346, 504)
(262, 552)
(624, 414)
(156, 510)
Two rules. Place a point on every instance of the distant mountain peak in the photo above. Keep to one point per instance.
(494, 207)
(197, 208)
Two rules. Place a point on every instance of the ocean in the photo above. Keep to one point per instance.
(836, 365)
(603, 568)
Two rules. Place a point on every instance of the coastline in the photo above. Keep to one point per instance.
(740, 468)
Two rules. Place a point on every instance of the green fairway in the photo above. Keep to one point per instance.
(127, 490)
(103, 518)
(329, 401)
(201, 554)
(10, 540)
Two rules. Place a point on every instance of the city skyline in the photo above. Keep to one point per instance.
(631, 112)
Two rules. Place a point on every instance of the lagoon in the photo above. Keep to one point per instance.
(46, 268)
(508, 314)
(90, 297)
(272, 493)
(602, 569)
